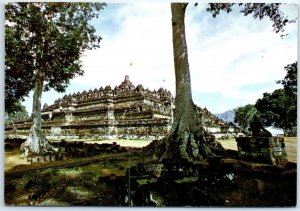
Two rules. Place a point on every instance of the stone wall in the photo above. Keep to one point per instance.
(216, 126)
(154, 129)
(269, 150)
(125, 112)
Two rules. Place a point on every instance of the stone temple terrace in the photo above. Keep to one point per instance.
(125, 112)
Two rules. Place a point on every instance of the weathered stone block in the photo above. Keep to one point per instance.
(47, 158)
(55, 131)
(262, 149)
(52, 157)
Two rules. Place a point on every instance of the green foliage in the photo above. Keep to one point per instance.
(271, 107)
(290, 80)
(19, 112)
(216, 8)
(49, 37)
(261, 10)
(244, 115)
(258, 10)
(277, 109)
(280, 107)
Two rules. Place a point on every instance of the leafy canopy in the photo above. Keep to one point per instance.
(258, 10)
(280, 107)
(49, 37)
(244, 115)
(290, 80)
(272, 107)
(19, 113)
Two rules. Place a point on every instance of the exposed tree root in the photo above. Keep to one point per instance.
(37, 144)
(188, 146)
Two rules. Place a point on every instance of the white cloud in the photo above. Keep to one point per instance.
(141, 48)
(239, 54)
(225, 53)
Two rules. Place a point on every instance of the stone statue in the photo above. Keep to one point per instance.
(258, 129)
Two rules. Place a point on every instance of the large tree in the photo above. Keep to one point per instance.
(290, 80)
(187, 138)
(44, 42)
(279, 108)
(290, 88)
(272, 108)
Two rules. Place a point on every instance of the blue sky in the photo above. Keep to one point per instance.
(233, 58)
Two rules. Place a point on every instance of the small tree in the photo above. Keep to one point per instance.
(44, 42)
(18, 112)
(244, 115)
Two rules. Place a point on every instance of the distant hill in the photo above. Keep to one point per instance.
(227, 116)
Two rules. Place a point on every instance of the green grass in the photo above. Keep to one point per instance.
(187, 180)
(146, 181)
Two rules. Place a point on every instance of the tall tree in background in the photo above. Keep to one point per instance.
(272, 108)
(188, 138)
(290, 88)
(290, 80)
(44, 42)
(279, 108)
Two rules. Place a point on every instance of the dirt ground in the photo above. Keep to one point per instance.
(96, 183)
(125, 143)
(12, 158)
(290, 147)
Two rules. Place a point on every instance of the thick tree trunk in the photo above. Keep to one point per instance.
(187, 136)
(36, 143)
